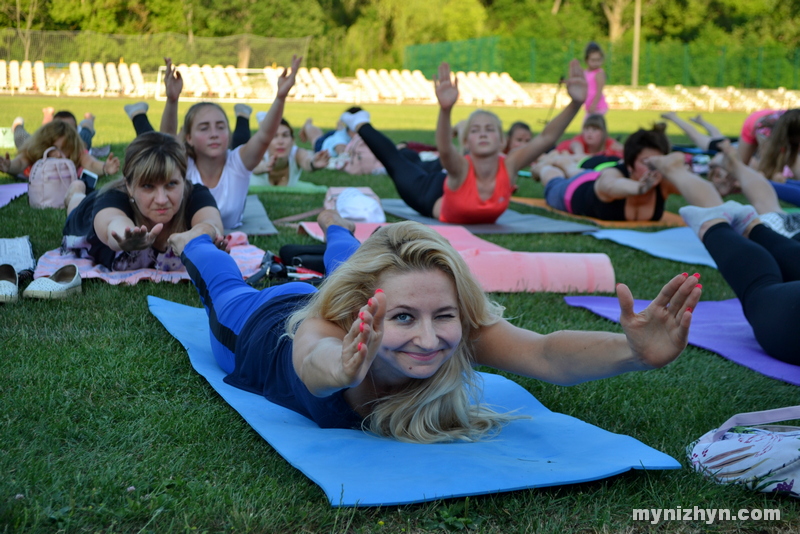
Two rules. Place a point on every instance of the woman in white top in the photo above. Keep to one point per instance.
(284, 161)
(206, 131)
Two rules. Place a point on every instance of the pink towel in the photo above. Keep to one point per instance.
(247, 257)
(504, 271)
(9, 192)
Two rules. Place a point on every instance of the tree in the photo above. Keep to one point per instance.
(22, 14)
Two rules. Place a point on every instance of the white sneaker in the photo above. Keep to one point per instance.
(64, 282)
(354, 120)
(9, 283)
(242, 110)
(136, 109)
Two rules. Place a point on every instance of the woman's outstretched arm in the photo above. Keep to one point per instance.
(651, 339)
(328, 359)
(452, 160)
(252, 152)
(527, 153)
(173, 85)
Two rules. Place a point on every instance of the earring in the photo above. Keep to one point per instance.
(130, 199)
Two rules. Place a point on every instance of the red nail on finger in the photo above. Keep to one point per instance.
(361, 327)
(689, 309)
(359, 346)
(699, 285)
(361, 315)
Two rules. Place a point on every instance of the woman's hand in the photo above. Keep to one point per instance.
(361, 343)
(137, 238)
(173, 81)
(446, 89)
(320, 160)
(576, 82)
(659, 333)
(649, 181)
(286, 79)
(111, 165)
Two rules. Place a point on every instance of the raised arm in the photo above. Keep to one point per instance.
(173, 83)
(651, 339)
(252, 152)
(452, 160)
(527, 153)
(311, 161)
(328, 359)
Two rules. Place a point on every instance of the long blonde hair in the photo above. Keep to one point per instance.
(437, 408)
(188, 122)
(781, 146)
(46, 136)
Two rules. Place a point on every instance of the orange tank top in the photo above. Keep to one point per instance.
(464, 205)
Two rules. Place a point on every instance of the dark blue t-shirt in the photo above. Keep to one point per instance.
(264, 366)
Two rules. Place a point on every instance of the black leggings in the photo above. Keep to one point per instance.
(764, 272)
(241, 134)
(418, 183)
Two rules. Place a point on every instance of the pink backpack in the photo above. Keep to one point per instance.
(49, 180)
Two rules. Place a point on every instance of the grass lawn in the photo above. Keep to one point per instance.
(105, 427)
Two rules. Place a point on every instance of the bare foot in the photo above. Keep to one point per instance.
(47, 115)
(697, 120)
(88, 121)
(670, 116)
(303, 136)
(331, 217)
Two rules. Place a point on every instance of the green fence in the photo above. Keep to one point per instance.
(545, 61)
(244, 51)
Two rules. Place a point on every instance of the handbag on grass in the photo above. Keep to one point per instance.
(747, 450)
(49, 180)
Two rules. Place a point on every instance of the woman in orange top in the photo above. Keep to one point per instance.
(471, 189)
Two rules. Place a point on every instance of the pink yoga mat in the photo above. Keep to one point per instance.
(504, 271)
(9, 192)
(247, 257)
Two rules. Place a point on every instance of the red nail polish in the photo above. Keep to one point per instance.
(369, 302)
(699, 285)
(359, 346)
(696, 275)
(379, 290)
(684, 274)
(361, 327)
(689, 309)
(361, 315)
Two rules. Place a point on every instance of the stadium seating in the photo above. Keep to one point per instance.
(26, 76)
(13, 75)
(3, 75)
(88, 77)
(39, 78)
(139, 88)
(112, 75)
(101, 82)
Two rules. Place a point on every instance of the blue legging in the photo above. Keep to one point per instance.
(229, 301)
(788, 192)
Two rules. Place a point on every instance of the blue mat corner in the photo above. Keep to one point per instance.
(355, 468)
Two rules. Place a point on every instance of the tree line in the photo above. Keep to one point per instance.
(374, 33)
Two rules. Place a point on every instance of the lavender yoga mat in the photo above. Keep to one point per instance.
(9, 192)
(718, 326)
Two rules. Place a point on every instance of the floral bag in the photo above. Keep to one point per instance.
(49, 180)
(747, 450)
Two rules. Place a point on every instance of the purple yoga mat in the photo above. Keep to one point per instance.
(718, 326)
(9, 192)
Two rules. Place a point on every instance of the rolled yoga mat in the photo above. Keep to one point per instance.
(504, 271)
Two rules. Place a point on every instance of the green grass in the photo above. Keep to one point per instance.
(97, 398)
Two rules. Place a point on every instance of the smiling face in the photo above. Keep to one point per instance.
(422, 327)
(484, 135)
(209, 132)
(159, 202)
(282, 142)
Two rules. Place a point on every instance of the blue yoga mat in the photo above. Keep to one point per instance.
(676, 244)
(719, 326)
(355, 468)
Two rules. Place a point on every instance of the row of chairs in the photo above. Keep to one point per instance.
(85, 78)
(216, 81)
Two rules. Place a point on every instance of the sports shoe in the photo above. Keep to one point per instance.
(260, 116)
(242, 110)
(786, 224)
(9, 283)
(61, 284)
(136, 109)
(354, 120)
